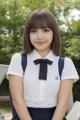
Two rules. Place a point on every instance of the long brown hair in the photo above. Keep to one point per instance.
(38, 19)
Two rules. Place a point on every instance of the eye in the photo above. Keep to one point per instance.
(46, 29)
(33, 30)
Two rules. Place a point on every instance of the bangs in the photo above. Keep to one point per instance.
(39, 21)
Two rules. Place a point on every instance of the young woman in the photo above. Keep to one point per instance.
(40, 89)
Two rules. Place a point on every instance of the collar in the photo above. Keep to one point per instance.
(35, 55)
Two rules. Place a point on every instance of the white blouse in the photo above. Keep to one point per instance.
(41, 93)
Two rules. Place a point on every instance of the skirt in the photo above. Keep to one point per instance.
(41, 113)
(38, 114)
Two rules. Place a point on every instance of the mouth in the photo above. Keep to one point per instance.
(40, 43)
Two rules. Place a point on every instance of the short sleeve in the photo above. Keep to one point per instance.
(69, 70)
(15, 67)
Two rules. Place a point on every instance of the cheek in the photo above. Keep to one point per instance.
(50, 37)
(31, 37)
(51, 34)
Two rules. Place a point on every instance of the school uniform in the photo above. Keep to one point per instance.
(41, 90)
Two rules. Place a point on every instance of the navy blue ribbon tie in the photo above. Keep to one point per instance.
(43, 67)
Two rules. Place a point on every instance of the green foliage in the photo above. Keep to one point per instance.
(76, 90)
(73, 47)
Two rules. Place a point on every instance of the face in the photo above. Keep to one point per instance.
(41, 39)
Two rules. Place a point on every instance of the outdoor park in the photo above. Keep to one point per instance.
(13, 14)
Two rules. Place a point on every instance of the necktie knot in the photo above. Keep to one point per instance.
(39, 61)
(43, 67)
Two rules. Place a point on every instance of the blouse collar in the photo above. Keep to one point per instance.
(35, 55)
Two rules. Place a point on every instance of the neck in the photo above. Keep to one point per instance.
(43, 53)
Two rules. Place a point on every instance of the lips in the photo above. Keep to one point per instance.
(40, 43)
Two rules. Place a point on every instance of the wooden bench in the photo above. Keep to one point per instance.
(4, 101)
(4, 98)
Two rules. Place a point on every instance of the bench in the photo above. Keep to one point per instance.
(4, 98)
(4, 101)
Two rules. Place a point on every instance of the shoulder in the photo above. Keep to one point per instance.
(68, 60)
(16, 55)
(16, 58)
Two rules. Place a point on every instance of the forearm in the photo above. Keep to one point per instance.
(63, 99)
(60, 112)
(21, 109)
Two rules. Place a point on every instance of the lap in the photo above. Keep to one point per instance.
(41, 113)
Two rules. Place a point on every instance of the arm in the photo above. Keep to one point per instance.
(16, 88)
(63, 99)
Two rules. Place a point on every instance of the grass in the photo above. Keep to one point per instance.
(5, 110)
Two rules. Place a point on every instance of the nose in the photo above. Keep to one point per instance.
(39, 34)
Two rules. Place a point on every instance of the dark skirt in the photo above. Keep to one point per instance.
(37, 113)
(41, 113)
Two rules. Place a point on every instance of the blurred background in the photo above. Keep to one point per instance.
(13, 15)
